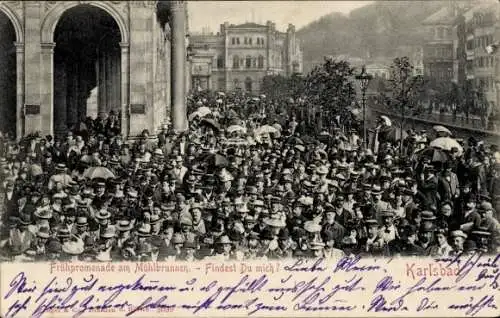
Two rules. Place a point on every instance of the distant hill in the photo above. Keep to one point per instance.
(372, 31)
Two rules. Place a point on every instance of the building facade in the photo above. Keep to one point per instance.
(482, 72)
(239, 56)
(73, 59)
(438, 50)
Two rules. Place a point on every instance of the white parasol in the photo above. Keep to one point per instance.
(447, 143)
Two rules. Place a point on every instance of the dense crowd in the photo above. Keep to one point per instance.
(247, 181)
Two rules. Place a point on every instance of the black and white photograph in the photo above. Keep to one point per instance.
(248, 130)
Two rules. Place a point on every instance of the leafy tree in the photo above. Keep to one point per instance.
(329, 85)
(280, 87)
(405, 88)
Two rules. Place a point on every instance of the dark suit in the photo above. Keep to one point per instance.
(448, 188)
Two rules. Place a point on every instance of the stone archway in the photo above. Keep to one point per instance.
(86, 60)
(12, 60)
(51, 98)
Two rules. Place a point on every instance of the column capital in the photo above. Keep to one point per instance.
(124, 46)
(48, 46)
(19, 47)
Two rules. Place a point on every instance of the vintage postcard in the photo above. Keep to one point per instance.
(249, 158)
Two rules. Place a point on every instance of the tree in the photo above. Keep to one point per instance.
(279, 87)
(329, 85)
(405, 89)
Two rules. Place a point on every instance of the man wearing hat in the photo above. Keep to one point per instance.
(470, 219)
(428, 186)
(330, 224)
(269, 246)
(426, 236)
(489, 222)
(330, 252)
(388, 231)
(223, 247)
(39, 246)
(410, 246)
(103, 217)
(448, 185)
(373, 244)
(378, 206)
(458, 238)
(482, 237)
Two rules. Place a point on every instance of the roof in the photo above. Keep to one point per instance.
(442, 16)
(248, 25)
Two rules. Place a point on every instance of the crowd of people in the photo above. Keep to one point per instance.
(247, 181)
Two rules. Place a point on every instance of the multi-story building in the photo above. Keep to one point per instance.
(239, 56)
(481, 22)
(438, 57)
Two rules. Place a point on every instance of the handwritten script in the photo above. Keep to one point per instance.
(351, 286)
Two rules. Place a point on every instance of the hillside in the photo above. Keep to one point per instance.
(374, 30)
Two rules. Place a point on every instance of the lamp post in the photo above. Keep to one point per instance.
(364, 79)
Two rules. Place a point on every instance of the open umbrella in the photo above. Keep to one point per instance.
(386, 120)
(236, 128)
(447, 143)
(210, 123)
(200, 112)
(266, 129)
(434, 154)
(442, 129)
(98, 172)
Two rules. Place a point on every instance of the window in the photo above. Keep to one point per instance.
(248, 62)
(233, 41)
(246, 40)
(262, 41)
(248, 84)
(238, 41)
(260, 61)
(470, 44)
(250, 41)
(254, 62)
(236, 62)
(220, 62)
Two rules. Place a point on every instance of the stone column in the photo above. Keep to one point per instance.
(47, 88)
(61, 107)
(102, 104)
(124, 90)
(19, 89)
(178, 78)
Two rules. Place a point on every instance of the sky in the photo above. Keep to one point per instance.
(210, 14)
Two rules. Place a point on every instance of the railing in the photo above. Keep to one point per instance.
(458, 121)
